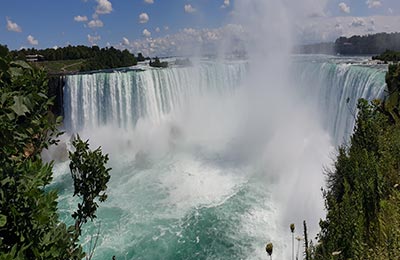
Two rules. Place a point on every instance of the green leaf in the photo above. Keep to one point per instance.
(19, 108)
(3, 220)
(59, 119)
(15, 72)
(22, 64)
(3, 65)
(4, 98)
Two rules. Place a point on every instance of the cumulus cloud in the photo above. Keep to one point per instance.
(158, 29)
(357, 22)
(143, 18)
(32, 40)
(92, 39)
(103, 7)
(149, 1)
(330, 28)
(225, 4)
(95, 23)
(80, 18)
(186, 40)
(13, 27)
(189, 9)
(125, 41)
(344, 8)
(146, 33)
(309, 8)
(373, 3)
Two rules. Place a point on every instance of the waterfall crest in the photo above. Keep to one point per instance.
(122, 98)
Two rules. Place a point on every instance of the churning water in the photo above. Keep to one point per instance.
(205, 165)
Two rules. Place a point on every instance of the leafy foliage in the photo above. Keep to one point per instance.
(90, 179)
(158, 64)
(362, 196)
(92, 58)
(392, 102)
(368, 44)
(108, 58)
(29, 223)
(388, 56)
(140, 57)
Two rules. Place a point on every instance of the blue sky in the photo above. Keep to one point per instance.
(52, 22)
(151, 25)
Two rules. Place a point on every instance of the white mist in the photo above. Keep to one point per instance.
(281, 131)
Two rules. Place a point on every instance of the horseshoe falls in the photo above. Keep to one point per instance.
(204, 164)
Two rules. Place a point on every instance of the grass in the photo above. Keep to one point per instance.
(60, 66)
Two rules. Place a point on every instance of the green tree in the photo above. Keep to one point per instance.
(362, 190)
(90, 179)
(29, 223)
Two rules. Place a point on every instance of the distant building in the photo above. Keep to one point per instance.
(34, 57)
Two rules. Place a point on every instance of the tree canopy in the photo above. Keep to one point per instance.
(95, 58)
(29, 224)
(388, 56)
(368, 44)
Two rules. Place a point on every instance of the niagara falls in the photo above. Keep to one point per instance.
(229, 129)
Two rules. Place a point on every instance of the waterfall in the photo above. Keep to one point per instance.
(122, 98)
(335, 87)
(204, 166)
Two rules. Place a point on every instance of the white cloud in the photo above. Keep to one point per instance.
(95, 23)
(146, 33)
(330, 28)
(357, 22)
(158, 29)
(372, 21)
(93, 39)
(80, 18)
(143, 18)
(103, 7)
(189, 9)
(13, 27)
(166, 28)
(373, 3)
(32, 40)
(344, 8)
(225, 4)
(186, 41)
(390, 10)
(149, 1)
(125, 41)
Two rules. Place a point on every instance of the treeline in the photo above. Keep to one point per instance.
(95, 58)
(158, 64)
(109, 58)
(388, 56)
(368, 44)
(363, 189)
(355, 45)
(63, 53)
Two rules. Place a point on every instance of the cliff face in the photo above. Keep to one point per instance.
(56, 84)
